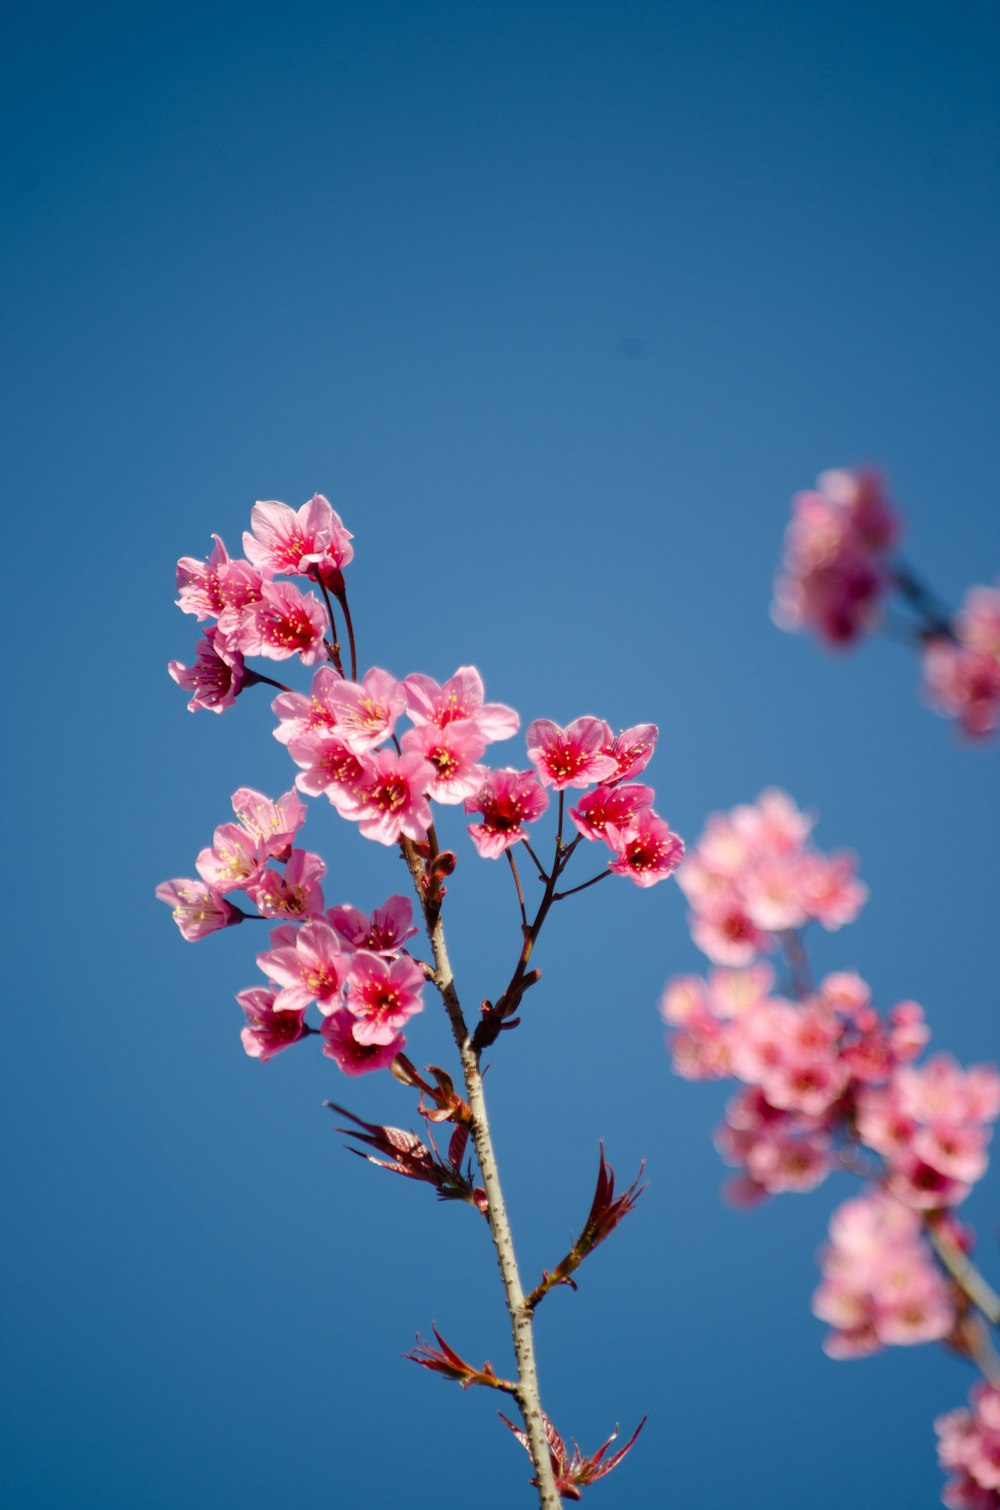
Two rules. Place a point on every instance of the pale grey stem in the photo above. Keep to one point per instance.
(527, 1392)
(964, 1272)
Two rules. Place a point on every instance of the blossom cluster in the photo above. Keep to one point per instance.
(962, 672)
(754, 874)
(836, 576)
(253, 614)
(969, 1447)
(836, 569)
(829, 1083)
(343, 735)
(880, 1286)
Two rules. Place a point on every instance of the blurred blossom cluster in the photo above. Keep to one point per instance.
(836, 569)
(962, 674)
(840, 571)
(969, 1447)
(829, 1082)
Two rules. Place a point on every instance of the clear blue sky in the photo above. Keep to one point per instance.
(558, 303)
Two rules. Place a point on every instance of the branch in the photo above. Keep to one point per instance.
(527, 1391)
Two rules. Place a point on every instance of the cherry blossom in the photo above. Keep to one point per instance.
(268, 1031)
(354, 1058)
(217, 677)
(309, 967)
(647, 851)
(507, 799)
(198, 909)
(389, 796)
(460, 699)
(388, 927)
(210, 588)
(311, 541)
(381, 995)
(285, 622)
(574, 756)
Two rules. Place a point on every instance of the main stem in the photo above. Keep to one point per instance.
(527, 1393)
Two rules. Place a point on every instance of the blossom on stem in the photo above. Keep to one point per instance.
(354, 1058)
(753, 874)
(308, 542)
(453, 752)
(311, 967)
(574, 756)
(388, 798)
(507, 799)
(302, 718)
(211, 588)
(217, 677)
(283, 623)
(268, 1031)
(330, 766)
(382, 994)
(969, 1448)
(198, 909)
(647, 850)
(963, 684)
(366, 711)
(234, 860)
(294, 894)
(273, 824)
(609, 807)
(880, 1284)
(460, 699)
(388, 927)
(835, 570)
(632, 750)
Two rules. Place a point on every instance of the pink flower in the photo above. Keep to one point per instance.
(354, 1058)
(647, 851)
(197, 909)
(507, 799)
(285, 622)
(632, 750)
(217, 676)
(302, 718)
(609, 807)
(313, 968)
(233, 862)
(366, 711)
(880, 1285)
(384, 932)
(978, 622)
(964, 685)
(461, 698)
(382, 994)
(723, 930)
(453, 752)
(295, 894)
(311, 542)
(835, 570)
(969, 1447)
(573, 756)
(390, 796)
(330, 766)
(272, 824)
(213, 587)
(268, 1031)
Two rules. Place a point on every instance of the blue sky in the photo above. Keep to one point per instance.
(559, 304)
